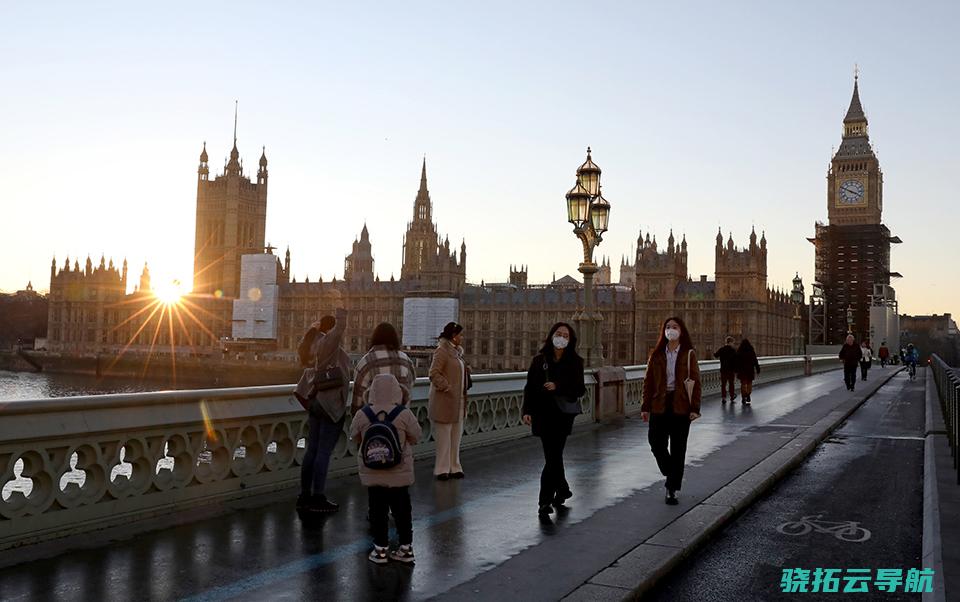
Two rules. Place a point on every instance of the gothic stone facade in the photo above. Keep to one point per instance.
(505, 323)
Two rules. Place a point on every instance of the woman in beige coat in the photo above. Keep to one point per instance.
(449, 381)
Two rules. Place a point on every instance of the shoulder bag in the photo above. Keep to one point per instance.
(317, 379)
(689, 383)
(565, 403)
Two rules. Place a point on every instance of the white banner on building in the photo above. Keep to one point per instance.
(424, 319)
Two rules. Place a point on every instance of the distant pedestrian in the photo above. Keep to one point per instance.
(449, 381)
(384, 357)
(884, 354)
(387, 431)
(551, 400)
(671, 401)
(728, 369)
(866, 358)
(850, 354)
(320, 349)
(748, 367)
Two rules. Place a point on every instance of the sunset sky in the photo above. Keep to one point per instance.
(710, 114)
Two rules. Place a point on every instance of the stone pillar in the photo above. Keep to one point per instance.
(610, 393)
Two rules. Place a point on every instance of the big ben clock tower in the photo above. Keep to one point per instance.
(855, 182)
(853, 249)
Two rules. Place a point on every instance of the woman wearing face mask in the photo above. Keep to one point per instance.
(550, 403)
(671, 401)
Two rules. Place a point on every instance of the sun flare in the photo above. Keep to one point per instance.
(170, 292)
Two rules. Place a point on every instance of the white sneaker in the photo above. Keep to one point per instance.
(403, 554)
(378, 555)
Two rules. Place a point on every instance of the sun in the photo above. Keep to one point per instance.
(169, 292)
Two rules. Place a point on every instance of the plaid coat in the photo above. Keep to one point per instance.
(380, 360)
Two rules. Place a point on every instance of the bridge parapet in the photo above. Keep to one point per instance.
(77, 464)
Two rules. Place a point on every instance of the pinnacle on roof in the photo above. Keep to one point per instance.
(423, 175)
(855, 112)
(203, 153)
(263, 157)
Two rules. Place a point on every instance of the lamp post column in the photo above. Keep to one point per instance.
(589, 323)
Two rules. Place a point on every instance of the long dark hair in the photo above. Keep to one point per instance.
(685, 341)
(571, 349)
(451, 330)
(385, 334)
(746, 347)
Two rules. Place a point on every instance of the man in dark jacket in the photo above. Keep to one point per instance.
(728, 369)
(321, 346)
(850, 354)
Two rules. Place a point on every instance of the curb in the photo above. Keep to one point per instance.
(931, 555)
(656, 556)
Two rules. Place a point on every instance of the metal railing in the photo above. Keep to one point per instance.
(948, 390)
(76, 464)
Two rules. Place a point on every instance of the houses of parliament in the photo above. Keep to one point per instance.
(91, 310)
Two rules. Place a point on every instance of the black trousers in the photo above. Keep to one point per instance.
(864, 366)
(553, 480)
(727, 379)
(672, 429)
(850, 375)
(383, 501)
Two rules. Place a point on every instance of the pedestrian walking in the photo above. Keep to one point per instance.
(884, 354)
(671, 401)
(748, 367)
(383, 357)
(728, 369)
(449, 382)
(386, 431)
(866, 359)
(850, 354)
(323, 392)
(551, 401)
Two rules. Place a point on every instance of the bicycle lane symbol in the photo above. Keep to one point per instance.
(850, 531)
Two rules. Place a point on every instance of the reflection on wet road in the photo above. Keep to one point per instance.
(462, 528)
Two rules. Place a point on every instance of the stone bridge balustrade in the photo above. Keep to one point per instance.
(77, 464)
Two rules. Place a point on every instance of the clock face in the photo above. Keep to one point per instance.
(851, 192)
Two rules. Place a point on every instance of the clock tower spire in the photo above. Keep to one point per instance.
(855, 182)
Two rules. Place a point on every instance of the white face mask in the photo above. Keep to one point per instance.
(672, 334)
(560, 342)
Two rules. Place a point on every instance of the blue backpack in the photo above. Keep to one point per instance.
(380, 446)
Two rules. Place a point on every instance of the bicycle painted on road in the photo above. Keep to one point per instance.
(845, 530)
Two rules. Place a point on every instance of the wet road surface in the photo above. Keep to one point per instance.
(479, 537)
(869, 472)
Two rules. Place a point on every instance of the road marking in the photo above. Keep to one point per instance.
(849, 531)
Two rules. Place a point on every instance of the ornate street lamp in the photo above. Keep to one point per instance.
(849, 320)
(589, 213)
(796, 297)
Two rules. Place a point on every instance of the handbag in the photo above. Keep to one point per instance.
(314, 380)
(565, 403)
(689, 383)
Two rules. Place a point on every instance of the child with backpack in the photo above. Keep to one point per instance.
(386, 432)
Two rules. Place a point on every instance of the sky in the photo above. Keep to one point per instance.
(700, 114)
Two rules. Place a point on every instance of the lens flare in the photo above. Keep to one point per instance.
(169, 293)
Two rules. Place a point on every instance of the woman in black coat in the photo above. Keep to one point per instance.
(748, 367)
(551, 400)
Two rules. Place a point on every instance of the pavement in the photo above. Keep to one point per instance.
(868, 474)
(941, 501)
(479, 538)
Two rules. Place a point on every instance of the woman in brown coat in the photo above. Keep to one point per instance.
(449, 381)
(671, 401)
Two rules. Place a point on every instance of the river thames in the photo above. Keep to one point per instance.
(43, 385)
